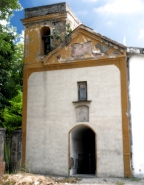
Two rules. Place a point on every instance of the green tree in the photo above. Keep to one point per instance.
(7, 7)
(13, 114)
(7, 51)
(17, 67)
(11, 57)
(13, 83)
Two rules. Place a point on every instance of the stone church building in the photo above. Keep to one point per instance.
(75, 100)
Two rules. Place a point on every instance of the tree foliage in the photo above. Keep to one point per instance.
(58, 38)
(11, 87)
(11, 60)
(7, 7)
(8, 49)
(11, 63)
(13, 114)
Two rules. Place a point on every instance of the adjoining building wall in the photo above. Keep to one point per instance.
(136, 92)
(51, 114)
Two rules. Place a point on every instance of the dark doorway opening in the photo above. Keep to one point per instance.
(82, 151)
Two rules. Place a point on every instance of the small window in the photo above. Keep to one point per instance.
(82, 91)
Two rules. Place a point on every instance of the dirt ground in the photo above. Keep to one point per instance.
(31, 179)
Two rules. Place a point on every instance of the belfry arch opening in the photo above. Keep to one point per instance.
(82, 150)
(46, 41)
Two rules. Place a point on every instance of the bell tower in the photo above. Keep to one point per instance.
(40, 22)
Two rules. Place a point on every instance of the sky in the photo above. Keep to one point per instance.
(119, 20)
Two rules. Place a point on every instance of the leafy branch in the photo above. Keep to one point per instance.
(58, 38)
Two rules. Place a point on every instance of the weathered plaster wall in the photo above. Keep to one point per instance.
(136, 74)
(52, 9)
(45, 10)
(51, 115)
(55, 16)
(33, 38)
(82, 46)
(16, 150)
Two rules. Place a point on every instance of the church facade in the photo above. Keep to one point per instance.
(75, 103)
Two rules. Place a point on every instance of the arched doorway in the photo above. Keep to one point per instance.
(82, 150)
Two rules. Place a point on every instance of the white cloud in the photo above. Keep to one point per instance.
(20, 38)
(109, 23)
(82, 13)
(141, 34)
(121, 7)
(90, 1)
(124, 41)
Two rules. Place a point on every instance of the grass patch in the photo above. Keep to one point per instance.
(134, 179)
(119, 183)
(8, 182)
(71, 180)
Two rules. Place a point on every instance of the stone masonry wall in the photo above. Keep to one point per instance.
(16, 146)
(45, 10)
(2, 139)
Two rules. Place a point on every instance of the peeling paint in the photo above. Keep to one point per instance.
(26, 39)
(116, 52)
(26, 53)
(96, 51)
(111, 44)
(111, 56)
(38, 57)
(59, 56)
(31, 39)
(103, 49)
(78, 50)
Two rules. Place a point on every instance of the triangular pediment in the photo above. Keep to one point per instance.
(83, 44)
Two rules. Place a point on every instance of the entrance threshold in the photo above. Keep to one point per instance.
(84, 175)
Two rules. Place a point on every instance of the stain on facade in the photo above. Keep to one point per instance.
(82, 113)
(116, 53)
(79, 50)
(103, 49)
